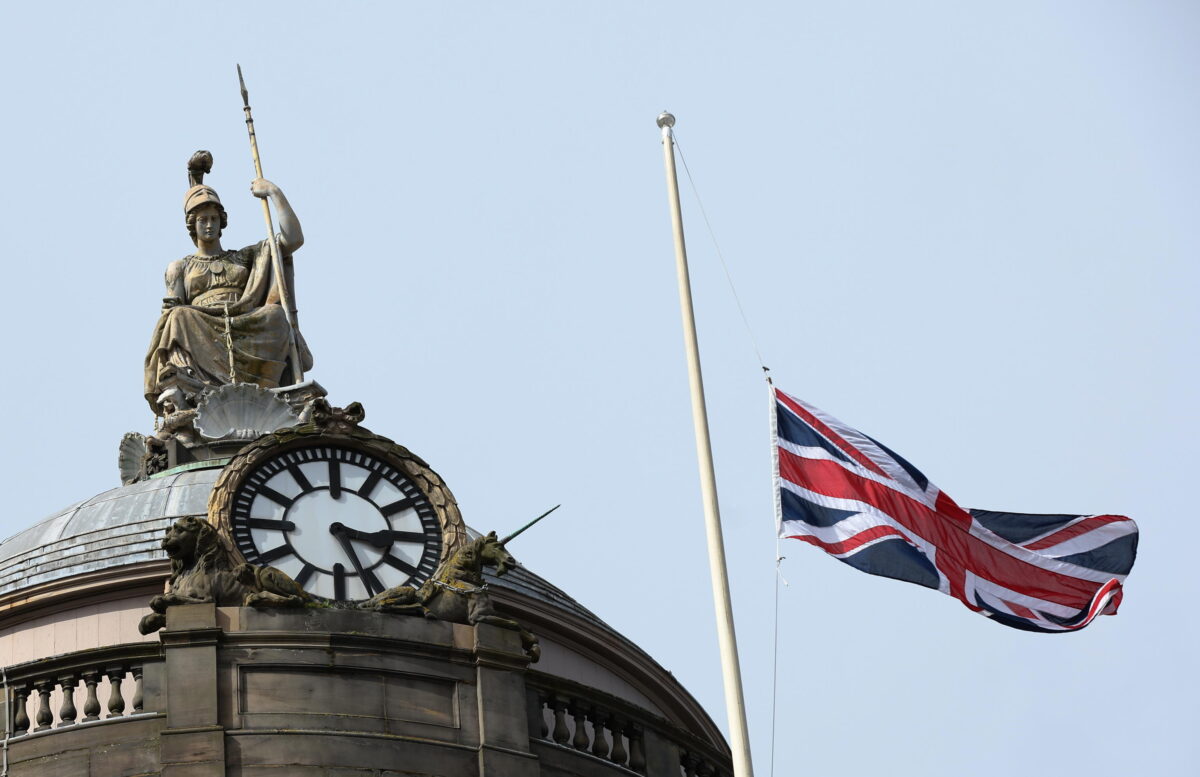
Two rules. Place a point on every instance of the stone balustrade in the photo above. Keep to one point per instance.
(77, 689)
(233, 691)
(573, 717)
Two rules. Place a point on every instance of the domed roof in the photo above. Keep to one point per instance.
(125, 526)
(118, 527)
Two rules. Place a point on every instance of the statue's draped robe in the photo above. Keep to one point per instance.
(191, 338)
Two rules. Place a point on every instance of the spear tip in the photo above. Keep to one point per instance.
(242, 84)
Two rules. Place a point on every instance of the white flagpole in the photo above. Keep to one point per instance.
(735, 704)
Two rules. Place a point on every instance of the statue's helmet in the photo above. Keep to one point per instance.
(200, 194)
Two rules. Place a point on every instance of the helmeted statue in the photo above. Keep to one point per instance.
(222, 319)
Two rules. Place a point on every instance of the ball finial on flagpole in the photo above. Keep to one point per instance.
(666, 120)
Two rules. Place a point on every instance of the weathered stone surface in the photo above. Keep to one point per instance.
(125, 760)
(350, 751)
(192, 746)
(293, 700)
(457, 592)
(204, 572)
(69, 763)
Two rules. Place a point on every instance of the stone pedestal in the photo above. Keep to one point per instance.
(193, 742)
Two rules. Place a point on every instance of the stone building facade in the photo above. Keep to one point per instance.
(308, 692)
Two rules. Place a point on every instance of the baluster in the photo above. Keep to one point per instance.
(137, 689)
(562, 734)
(21, 715)
(579, 713)
(689, 762)
(706, 769)
(600, 743)
(535, 703)
(91, 705)
(637, 749)
(618, 754)
(543, 702)
(116, 702)
(44, 717)
(67, 712)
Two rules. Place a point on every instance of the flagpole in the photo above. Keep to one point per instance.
(735, 704)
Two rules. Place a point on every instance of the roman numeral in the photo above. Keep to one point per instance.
(298, 476)
(339, 582)
(268, 523)
(335, 478)
(369, 485)
(396, 507)
(275, 496)
(400, 564)
(275, 553)
(304, 575)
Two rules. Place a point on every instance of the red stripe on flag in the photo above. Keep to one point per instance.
(829, 434)
(1101, 602)
(855, 542)
(1074, 530)
(829, 478)
(947, 529)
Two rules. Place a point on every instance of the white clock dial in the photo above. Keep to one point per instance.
(344, 524)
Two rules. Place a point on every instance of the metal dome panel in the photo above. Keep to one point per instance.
(118, 527)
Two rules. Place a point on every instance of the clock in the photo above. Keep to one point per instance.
(347, 516)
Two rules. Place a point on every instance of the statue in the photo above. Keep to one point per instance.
(202, 571)
(457, 592)
(222, 319)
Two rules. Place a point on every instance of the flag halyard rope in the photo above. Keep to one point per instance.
(721, 256)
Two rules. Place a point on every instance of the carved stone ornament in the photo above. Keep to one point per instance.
(139, 457)
(457, 592)
(347, 512)
(242, 411)
(131, 458)
(203, 569)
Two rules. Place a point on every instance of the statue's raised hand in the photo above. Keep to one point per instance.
(262, 188)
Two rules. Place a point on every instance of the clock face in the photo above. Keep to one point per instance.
(344, 524)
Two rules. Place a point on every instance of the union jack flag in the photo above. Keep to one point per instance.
(858, 501)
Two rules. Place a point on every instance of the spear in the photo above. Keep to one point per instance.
(285, 295)
(513, 536)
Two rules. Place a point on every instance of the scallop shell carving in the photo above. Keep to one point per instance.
(242, 411)
(130, 455)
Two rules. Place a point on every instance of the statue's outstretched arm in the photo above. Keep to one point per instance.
(289, 226)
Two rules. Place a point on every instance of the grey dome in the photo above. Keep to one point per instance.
(118, 527)
(125, 526)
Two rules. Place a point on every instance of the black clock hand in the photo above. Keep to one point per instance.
(383, 538)
(367, 576)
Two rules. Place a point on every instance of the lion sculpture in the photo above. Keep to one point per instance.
(203, 571)
(457, 592)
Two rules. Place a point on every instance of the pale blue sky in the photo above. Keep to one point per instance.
(968, 229)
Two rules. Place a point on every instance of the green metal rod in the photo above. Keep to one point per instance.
(526, 526)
